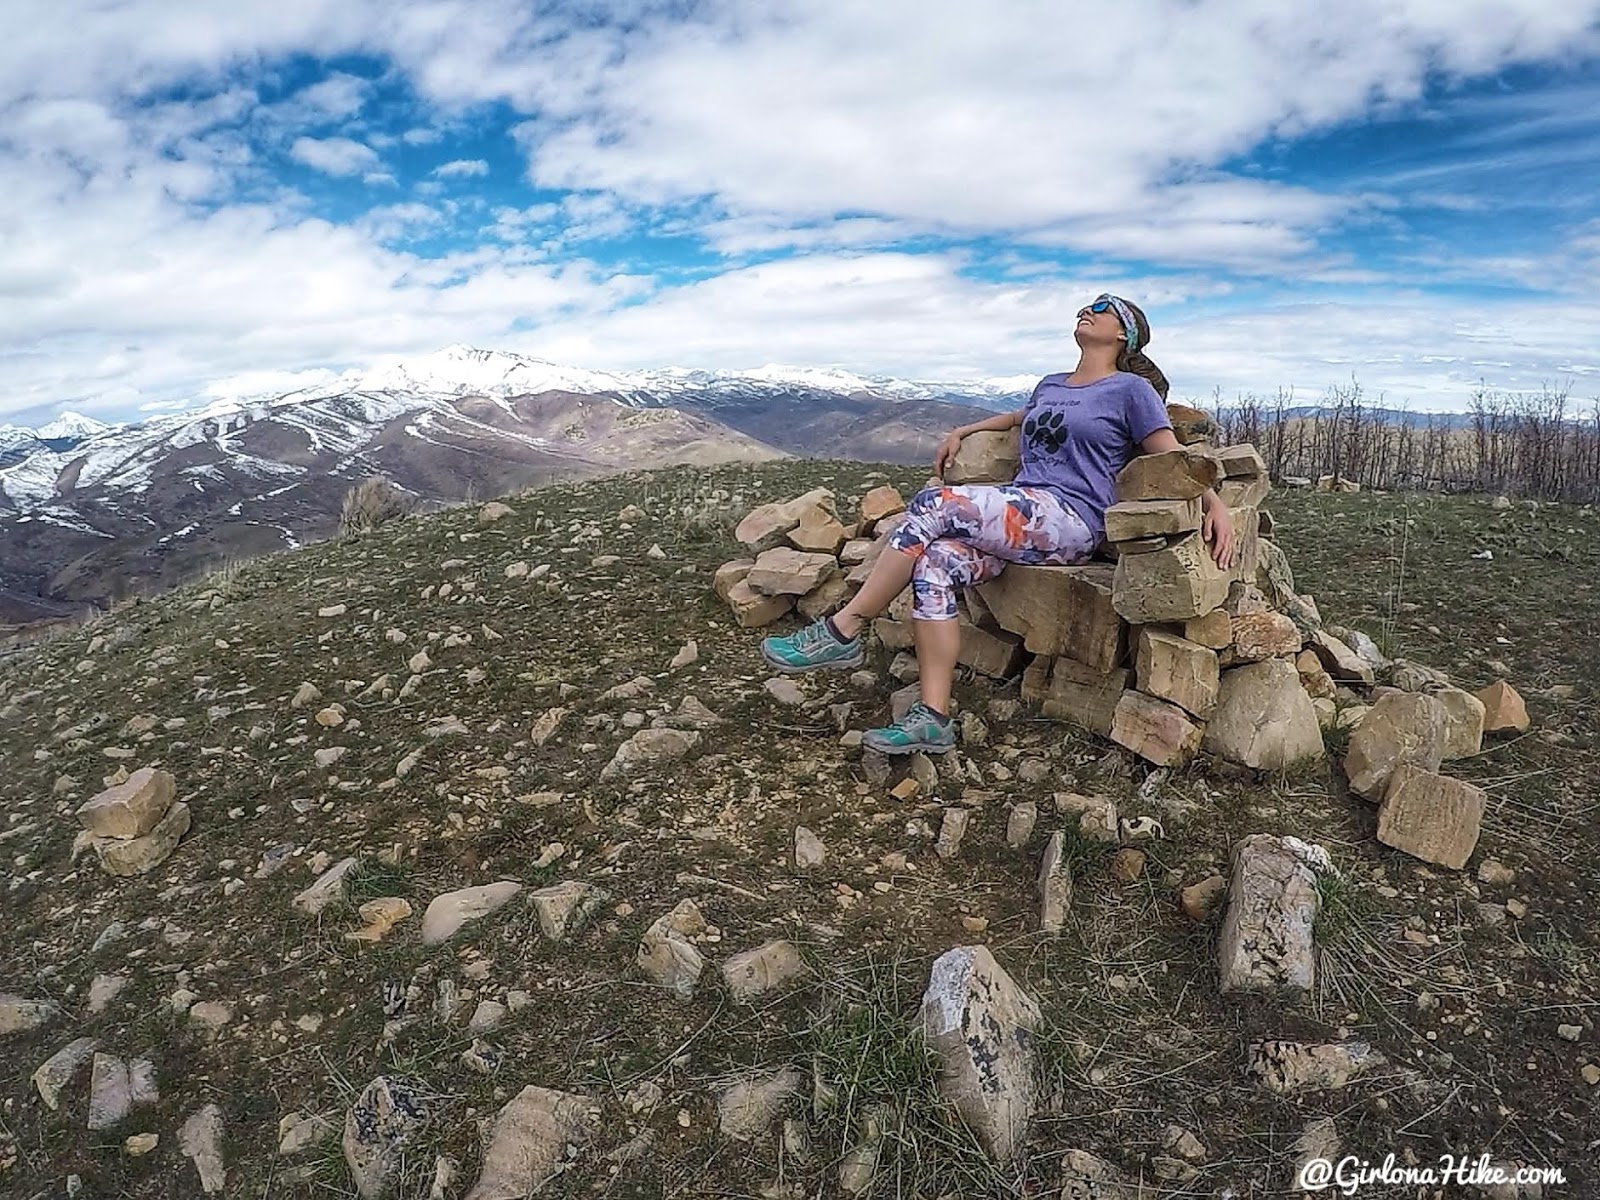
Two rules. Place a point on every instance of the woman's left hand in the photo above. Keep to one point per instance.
(1216, 527)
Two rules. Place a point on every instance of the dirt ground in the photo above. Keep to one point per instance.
(1459, 983)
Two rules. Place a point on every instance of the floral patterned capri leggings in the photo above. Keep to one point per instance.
(965, 535)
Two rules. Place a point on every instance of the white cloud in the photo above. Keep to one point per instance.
(336, 156)
(462, 168)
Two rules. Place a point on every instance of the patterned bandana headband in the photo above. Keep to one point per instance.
(1130, 326)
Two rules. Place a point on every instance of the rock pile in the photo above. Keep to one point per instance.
(1156, 647)
(133, 825)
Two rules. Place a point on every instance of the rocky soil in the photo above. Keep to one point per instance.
(509, 867)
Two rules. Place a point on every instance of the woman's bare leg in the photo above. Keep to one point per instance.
(890, 576)
(938, 648)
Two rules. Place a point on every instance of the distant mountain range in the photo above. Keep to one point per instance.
(89, 512)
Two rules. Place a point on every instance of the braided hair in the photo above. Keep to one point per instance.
(1138, 362)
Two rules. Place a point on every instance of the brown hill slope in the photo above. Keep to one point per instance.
(491, 766)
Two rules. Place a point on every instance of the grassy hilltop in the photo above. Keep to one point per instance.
(1461, 984)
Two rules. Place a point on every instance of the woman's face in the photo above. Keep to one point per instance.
(1098, 328)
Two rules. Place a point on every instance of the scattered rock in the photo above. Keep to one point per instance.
(1127, 865)
(1096, 815)
(1430, 816)
(565, 908)
(381, 915)
(952, 829)
(649, 748)
(785, 691)
(1503, 708)
(58, 1070)
(494, 511)
(809, 852)
(980, 1025)
(1319, 1139)
(1494, 872)
(328, 887)
(211, 1015)
(138, 856)
(1402, 727)
(1463, 722)
(747, 1108)
(687, 656)
(200, 1139)
(1020, 824)
(24, 1016)
(1265, 944)
(754, 973)
(526, 1143)
(1055, 885)
(298, 1132)
(102, 991)
(1289, 1068)
(384, 1120)
(130, 809)
(666, 953)
(140, 1144)
(1089, 1177)
(1199, 900)
(446, 914)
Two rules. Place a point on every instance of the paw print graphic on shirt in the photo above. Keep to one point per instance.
(1047, 430)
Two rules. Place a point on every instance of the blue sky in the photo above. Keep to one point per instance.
(201, 200)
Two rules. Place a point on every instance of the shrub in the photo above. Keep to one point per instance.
(371, 503)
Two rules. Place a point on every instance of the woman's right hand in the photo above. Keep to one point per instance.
(946, 453)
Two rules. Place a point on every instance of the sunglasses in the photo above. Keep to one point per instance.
(1100, 306)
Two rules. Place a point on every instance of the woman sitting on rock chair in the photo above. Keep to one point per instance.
(1079, 429)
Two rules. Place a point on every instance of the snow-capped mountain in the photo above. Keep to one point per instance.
(101, 509)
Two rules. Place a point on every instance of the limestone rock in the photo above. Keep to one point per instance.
(989, 456)
(859, 1166)
(140, 855)
(494, 511)
(1173, 584)
(1089, 1177)
(103, 989)
(110, 1093)
(818, 532)
(1019, 825)
(328, 887)
(1096, 816)
(1174, 669)
(1463, 722)
(1213, 630)
(1258, 636)
(1067, 690)
(564, 909)
(298, 1132)
(130, 809)
(980, 1025)
(747, 1108)
(1402, 727)
(200, 1139)
(952, 831)
(527, 1142)
(1318, 1139)
(1133, 519)
(649, 748)
(1191, 425)
(1241, 461)
(446, 914)
(826, 598)
(1055, 885)
(60, 1068)
(754, 973)
(1318, 684)
(751, 609)
(1199, 900)
(1430, 817)
(1159, 732)
(728, 574)
(766, 526)
(1060, 611)
(1503, 708)
(997, 655)
(809, 851)
(383, 1121)
(1265, 944)
(381, 915)
(1173, 475)
(666, 953)
(306, 693)
(1263, 718)
(880, 502)
(1289, 1068)
(18, 1015)
(1338, 659)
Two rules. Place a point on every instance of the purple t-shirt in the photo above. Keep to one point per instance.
(1075, 438)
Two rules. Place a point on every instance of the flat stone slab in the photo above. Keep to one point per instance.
(447, 914)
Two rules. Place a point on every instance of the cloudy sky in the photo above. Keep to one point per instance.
(202, 199)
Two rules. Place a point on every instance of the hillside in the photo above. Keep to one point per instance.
(485, 760)
(92, 514)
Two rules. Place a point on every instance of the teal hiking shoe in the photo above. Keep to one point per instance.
(814, 648)
(918, 730)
